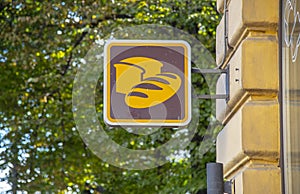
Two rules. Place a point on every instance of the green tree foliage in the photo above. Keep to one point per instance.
(41, 44)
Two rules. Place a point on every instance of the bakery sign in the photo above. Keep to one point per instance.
(147, 83)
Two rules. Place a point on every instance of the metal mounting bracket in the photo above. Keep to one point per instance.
(218, 70)
(214, 71)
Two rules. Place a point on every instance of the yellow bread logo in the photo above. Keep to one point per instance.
(143, 83)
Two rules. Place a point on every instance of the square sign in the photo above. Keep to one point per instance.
(147, 83)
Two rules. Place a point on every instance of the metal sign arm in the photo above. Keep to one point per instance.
(214, 71)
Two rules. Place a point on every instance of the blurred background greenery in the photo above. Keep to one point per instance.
(41, 45)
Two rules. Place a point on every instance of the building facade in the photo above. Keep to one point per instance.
(259, 146)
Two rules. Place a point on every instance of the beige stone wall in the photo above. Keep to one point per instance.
(249, 144)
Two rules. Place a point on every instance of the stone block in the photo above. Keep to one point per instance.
(252, 133)
(253, 70)
(220, 5)
(245, 16)
(251, 15)
(259, 179)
